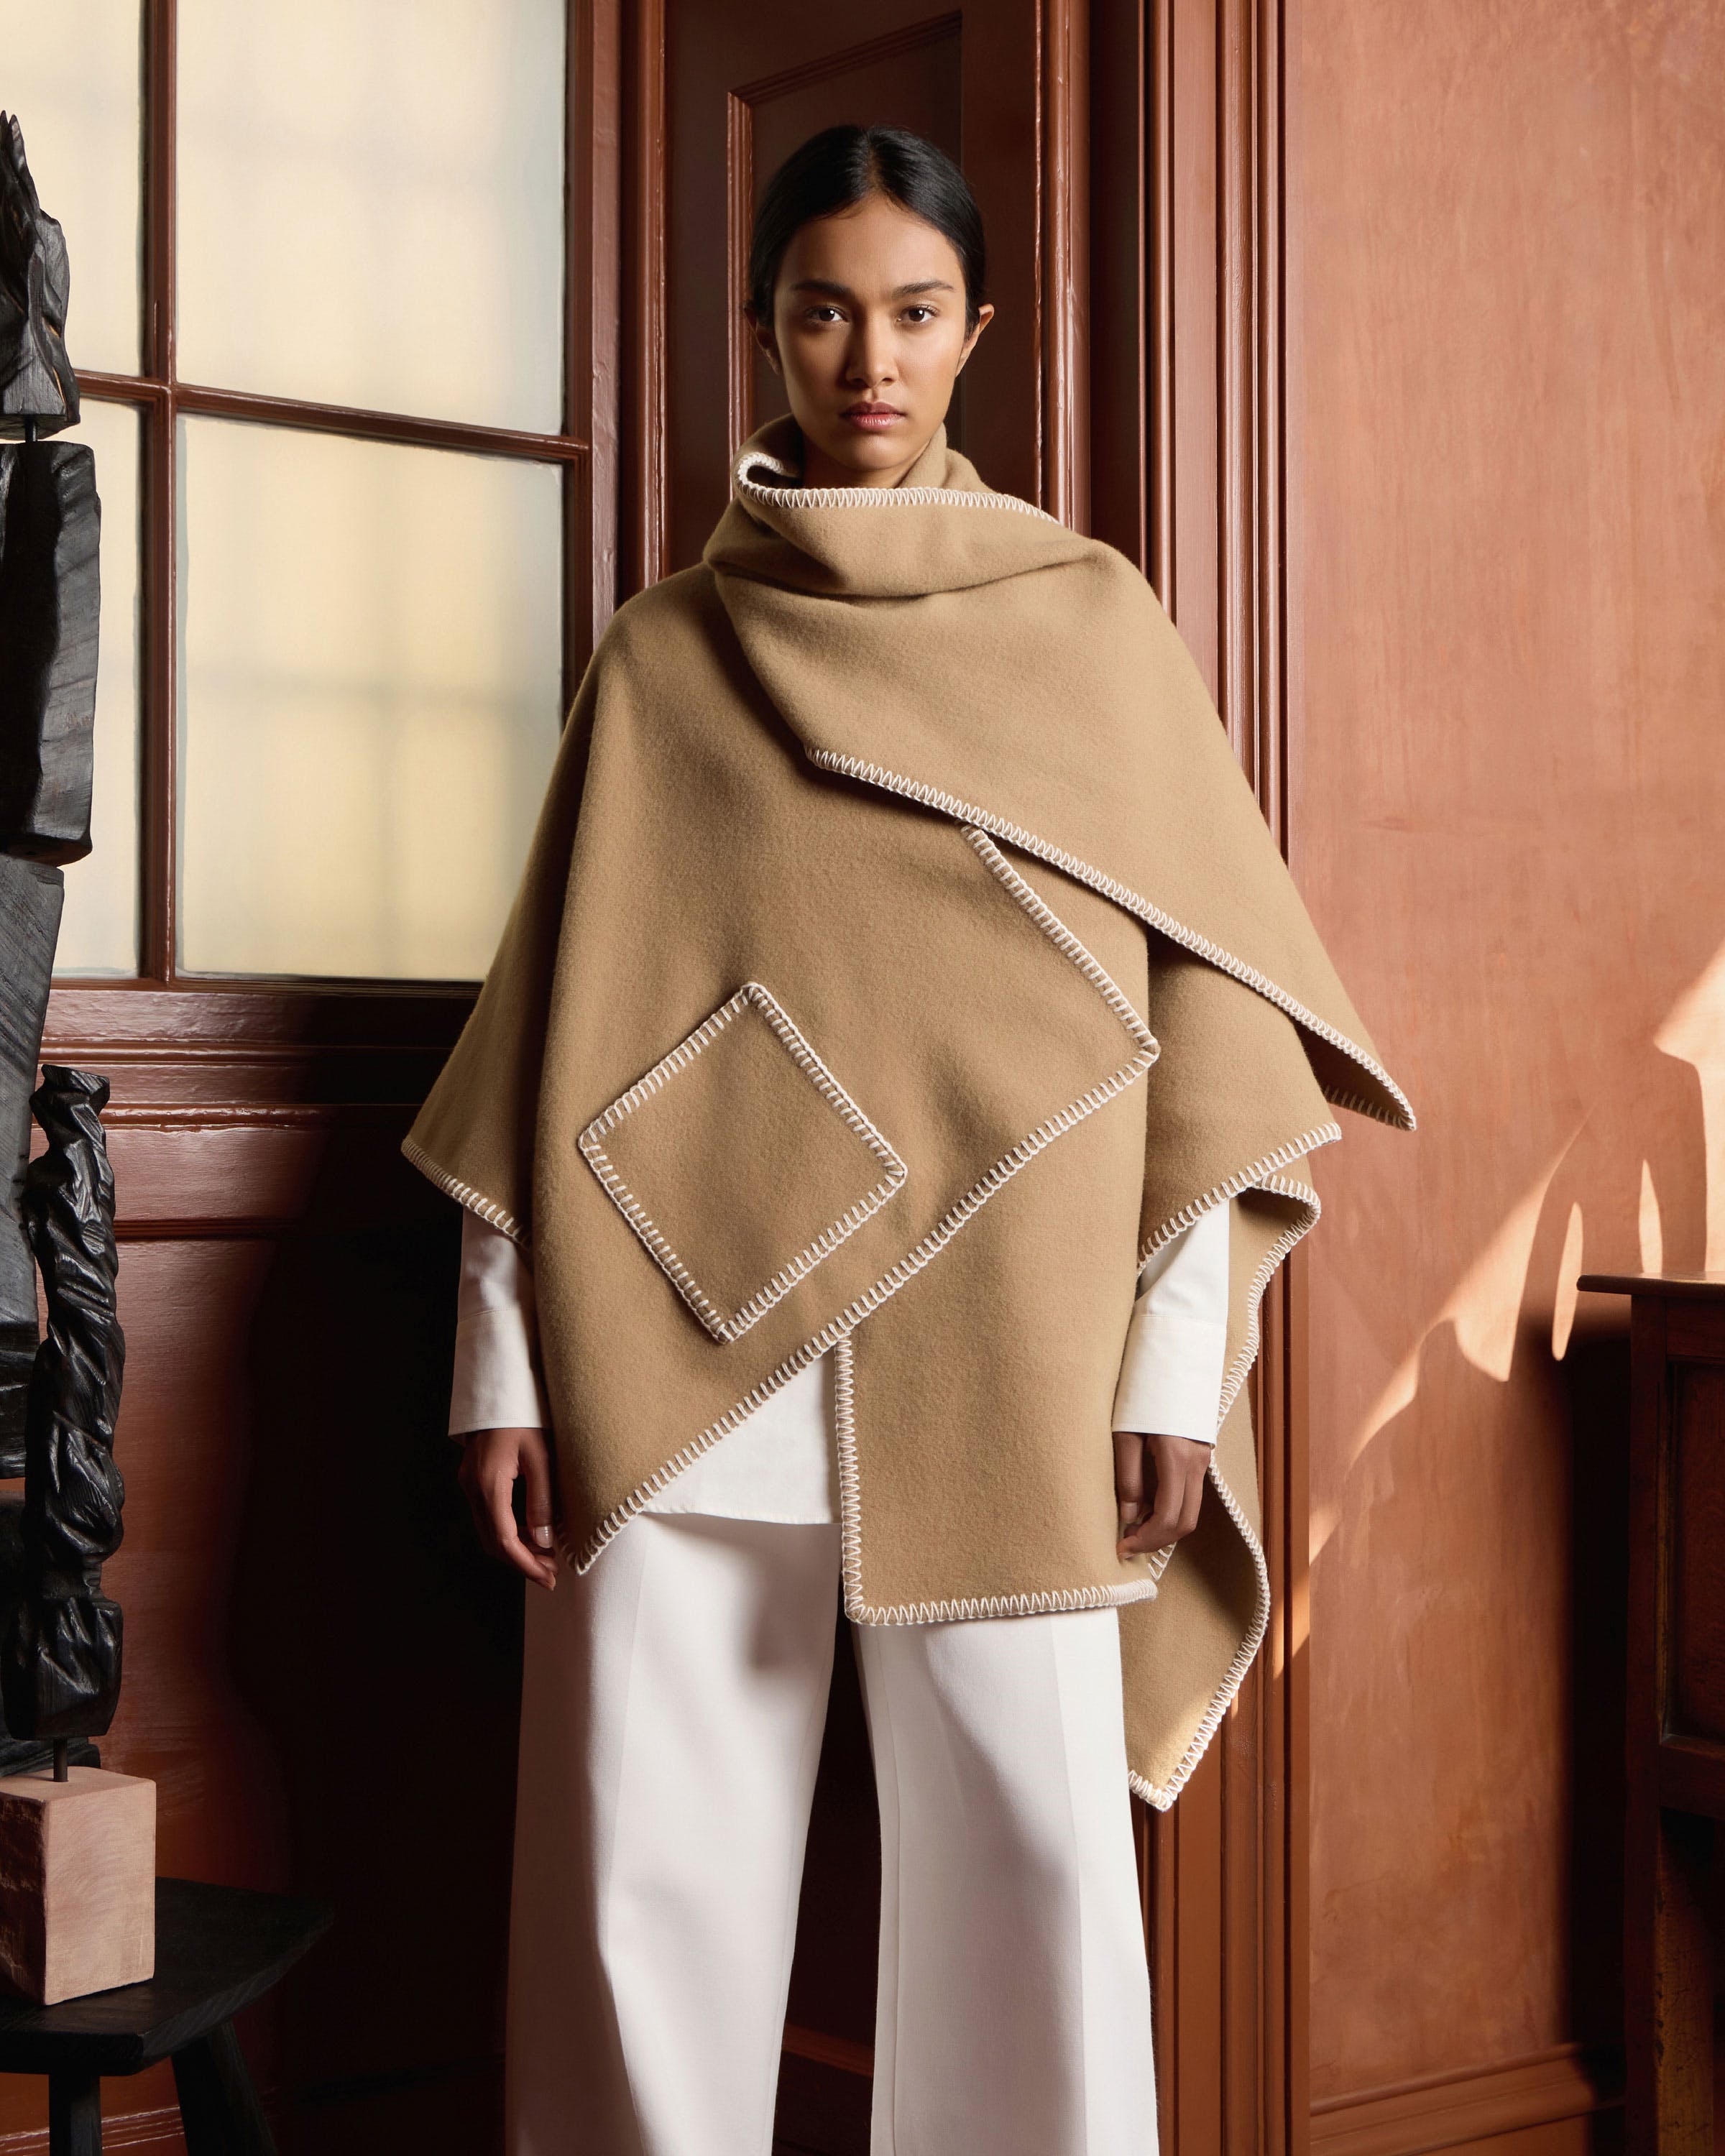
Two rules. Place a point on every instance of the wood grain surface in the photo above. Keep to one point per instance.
(1511, 513)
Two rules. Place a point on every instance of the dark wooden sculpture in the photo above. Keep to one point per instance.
(49, 594)
(60, 1669)
(59, 1635)
(50, 525)
(30, 893)
(36, 377)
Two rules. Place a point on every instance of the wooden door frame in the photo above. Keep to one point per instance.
(1184, 464)
(1193, 360)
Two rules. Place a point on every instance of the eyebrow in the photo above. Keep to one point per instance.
(844, 292)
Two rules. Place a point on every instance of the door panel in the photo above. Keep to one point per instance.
(744, 84)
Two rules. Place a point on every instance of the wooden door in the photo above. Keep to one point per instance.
(728, 90)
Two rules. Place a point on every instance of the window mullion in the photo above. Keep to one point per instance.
(157, 490)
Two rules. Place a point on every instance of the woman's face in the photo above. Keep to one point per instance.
(868, 333)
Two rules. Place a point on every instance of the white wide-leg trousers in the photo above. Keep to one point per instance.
(673, 1703)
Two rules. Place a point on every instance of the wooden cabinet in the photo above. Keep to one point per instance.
(1676, 1704)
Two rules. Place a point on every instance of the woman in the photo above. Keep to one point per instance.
(885, 1107)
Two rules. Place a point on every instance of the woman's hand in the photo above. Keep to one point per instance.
(1173, 1470)
(491, 1461)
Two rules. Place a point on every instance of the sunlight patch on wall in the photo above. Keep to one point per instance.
(1694, 1031)
(1485, 1308)
(1485, 1305)
(1650, 1228)
(1562, 1316)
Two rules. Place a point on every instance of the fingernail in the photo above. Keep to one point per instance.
(542, 1536)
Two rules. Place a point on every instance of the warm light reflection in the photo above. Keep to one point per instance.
(1487, 1305)
(1649, 1227)
(1570, 1267)
(1693, 1029)
(1485, 1308)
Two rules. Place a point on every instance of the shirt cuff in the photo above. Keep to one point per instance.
(496, 1383)
(1176, 1346)
(1171, 1376)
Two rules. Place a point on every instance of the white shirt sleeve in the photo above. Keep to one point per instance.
(497, 1384)
(1177, 1344)
(1170, 1374)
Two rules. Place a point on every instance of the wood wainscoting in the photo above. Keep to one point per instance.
(321, 1670)
(1560, 2102)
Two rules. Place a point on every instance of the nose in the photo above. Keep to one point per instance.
(870, 364)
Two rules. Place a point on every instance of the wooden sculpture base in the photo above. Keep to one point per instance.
(77, 1883)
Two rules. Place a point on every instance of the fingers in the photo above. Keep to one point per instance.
(491, 1462)
(536, 1490)
(1174, 1468)
(532, 1465)
(1128, 1477)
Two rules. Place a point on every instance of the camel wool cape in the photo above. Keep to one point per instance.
(900, 958)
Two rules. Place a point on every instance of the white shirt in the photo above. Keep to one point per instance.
(779, 1462)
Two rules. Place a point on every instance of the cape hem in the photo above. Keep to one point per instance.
(464, 1193)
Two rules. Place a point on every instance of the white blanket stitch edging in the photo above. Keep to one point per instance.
(840, 1327)
(966, 812)
(797, 497)
(464, 1193)
(1160, 1798)
(750, 995)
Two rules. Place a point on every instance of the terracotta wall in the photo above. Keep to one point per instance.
(1509, 525)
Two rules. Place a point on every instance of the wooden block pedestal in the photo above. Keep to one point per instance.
(77, 1883)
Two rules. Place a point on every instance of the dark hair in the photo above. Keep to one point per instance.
(836, 169)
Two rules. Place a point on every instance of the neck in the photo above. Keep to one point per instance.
(820, 469)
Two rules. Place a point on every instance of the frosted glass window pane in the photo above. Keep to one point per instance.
(370, 678)
(73, 73)
(371, 204)
(99, 929)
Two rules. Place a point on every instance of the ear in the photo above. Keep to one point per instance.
(985, 316)
(764, 336)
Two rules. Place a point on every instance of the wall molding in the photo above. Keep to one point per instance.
(1063, 244)
(642, 433)
(1189, 363)
(842, 2053)
(1473, 2104)
(128, 2129)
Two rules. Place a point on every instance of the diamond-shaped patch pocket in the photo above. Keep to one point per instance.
(741, 1161)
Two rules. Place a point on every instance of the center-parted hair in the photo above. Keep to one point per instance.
(840, 167)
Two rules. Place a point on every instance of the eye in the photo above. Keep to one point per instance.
(919, 308)
(823, 307)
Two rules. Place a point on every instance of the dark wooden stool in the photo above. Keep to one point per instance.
(217, 1949)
